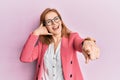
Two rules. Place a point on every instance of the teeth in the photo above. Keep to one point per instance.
(56, 28)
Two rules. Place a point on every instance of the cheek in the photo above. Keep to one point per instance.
(60, 26)
(60, 23)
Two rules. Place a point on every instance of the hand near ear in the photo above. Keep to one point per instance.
(41, 30)
(90, 49)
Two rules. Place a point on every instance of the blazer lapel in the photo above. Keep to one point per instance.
(64, 55)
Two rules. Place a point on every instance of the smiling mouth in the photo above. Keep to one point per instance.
(55, 28)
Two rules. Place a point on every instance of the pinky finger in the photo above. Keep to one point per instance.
(87, 60)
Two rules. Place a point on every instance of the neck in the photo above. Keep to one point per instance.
(57, 38)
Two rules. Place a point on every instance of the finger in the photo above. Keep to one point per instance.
(41, 25)
(49, 34)
(97, 53)
(89, 38)
(98, 56)
(87, 57)
(87, 60)
(86, 50)
(92, 56)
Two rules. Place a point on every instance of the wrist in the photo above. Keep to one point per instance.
(88, 39)
(35, 33)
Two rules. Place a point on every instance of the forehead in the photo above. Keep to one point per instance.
(50, 15)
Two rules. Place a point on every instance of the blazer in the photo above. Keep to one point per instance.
(35, 50)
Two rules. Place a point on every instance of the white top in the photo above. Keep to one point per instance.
(52, 64)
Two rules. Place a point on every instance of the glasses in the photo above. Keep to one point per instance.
(50, 21)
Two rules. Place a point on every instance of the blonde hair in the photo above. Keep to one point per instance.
(47, 39)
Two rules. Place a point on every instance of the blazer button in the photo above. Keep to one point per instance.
(70, 75)
(39, 65)
(36, 78)
(71, 62)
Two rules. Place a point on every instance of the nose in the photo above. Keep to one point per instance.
(53, 22)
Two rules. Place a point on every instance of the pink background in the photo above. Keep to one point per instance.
(99, 19)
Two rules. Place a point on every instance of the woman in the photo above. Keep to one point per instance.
(54, 47)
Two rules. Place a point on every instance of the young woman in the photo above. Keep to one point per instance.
(54, 47)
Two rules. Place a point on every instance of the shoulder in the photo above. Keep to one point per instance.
(73, 35)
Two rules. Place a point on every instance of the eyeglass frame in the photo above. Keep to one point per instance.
(51, 21)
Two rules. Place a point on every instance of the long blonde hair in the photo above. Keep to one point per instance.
(47, 39)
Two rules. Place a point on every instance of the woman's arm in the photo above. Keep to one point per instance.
(90, 49)
(30, 50)
(77, 42)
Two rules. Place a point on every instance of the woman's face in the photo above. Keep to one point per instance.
(53, 23)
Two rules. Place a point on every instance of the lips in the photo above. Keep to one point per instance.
(55, 28)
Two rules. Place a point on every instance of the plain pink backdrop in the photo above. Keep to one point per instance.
(99, 19)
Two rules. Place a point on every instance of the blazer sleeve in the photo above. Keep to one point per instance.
(30, 50)
(77, 42)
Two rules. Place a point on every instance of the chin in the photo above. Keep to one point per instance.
(57, 33)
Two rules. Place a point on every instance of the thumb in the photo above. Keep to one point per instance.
(86, 56)
(41, 25)
(49, 34)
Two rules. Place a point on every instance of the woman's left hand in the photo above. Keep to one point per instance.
(90, 49)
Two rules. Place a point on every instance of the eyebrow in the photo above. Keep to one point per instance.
(52, 18)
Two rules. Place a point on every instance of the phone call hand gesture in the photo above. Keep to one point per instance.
(41, 30)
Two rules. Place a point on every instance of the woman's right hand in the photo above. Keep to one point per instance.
(41, 30)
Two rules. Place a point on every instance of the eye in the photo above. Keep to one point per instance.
(56, 19)
(48, 21)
